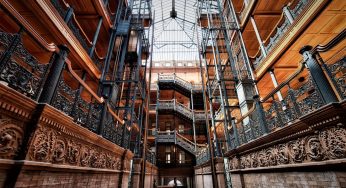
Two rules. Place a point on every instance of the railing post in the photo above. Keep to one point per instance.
(175, 137)
(260, 41)
(261, 115)
(96, 35)
(235, 133)
(68, 15)
(54, 74)
(275, 83)
(317, 75)
(288, 14)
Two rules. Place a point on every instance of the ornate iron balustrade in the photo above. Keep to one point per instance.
(281, 29)
(297, 102)
(202, 156)
(151, 157)
(69, 101)
(338, 75)
(182, 109)
(302, 93)
(18, 68)
(176, 138)
(73, 24)
(172, 78)
(335, 66)
(108, 9)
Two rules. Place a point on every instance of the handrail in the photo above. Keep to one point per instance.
(274, 30)
(81, 29)
(258, 53)
(280, 86)
(51, 47)
(330, 44)
(182, 137)
(115, 115)
(74, 74)
(252, 109)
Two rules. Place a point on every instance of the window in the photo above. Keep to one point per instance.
(181, 157)
(157, 64)
(180, 64)
(168, 127)
(168, 154)
(181, 129)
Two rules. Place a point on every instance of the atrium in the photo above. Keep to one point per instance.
(173, 93)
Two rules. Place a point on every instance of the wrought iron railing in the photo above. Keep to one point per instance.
(151, 157)
(172, 78)
(19, 69)
(203, 156)
(77, 30)
(280, 29)
(176, 138)
(300, 94)
(182, 109)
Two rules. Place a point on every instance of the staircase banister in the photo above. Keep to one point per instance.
(182, 137)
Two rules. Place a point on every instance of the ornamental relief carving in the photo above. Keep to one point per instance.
(11, 136)
(50, 146)
(326, 144)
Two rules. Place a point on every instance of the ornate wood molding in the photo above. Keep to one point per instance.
(57, 141)
(47, 46)
(316, 137)
(294, 30)
(45, 8)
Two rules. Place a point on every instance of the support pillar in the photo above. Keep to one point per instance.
(54, 75)
(260, 41)
(288, 14)
(317, 75)
(275, 83)
(96, 35)
(193, 119)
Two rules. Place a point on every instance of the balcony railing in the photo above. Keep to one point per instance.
(172, 78)
(73, 24)
(176, 138)
(202, 156)
(294, 10)
(182, 109)
(302, 95)
(19, 69)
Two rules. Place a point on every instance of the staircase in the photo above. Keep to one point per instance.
(178, 139)
(173, 105)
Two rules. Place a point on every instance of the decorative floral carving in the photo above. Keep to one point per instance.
(326, 144)
(118, 163)
(59, 151)
(11, 136)
(72, 152)
(282, 154)
(271, 154)
(42, 145)
(334, 141)
(85, 156)
(262, 161)
(314, 149)
(296, 150)
(50, 146)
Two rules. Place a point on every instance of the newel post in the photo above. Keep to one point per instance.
(54, 75)
(317, 75)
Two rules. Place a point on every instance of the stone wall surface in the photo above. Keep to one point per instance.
(43, 147)
(290, 179)
(30, 178)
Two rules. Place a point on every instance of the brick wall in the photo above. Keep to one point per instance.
(290, 179)
(29, 178)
